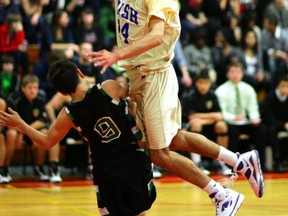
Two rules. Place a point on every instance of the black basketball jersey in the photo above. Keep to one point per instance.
(106, 123)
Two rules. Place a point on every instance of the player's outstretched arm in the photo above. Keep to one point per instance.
(153, 39)
(55, 133)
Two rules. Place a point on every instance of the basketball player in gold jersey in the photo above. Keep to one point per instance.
(147, 31)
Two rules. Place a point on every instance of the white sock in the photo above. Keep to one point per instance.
(196, 158)
(212, 187)
(227, 156)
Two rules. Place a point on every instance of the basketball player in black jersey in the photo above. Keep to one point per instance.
(101, 115)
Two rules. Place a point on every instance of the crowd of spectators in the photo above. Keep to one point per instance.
(251, 34)
(242, 46)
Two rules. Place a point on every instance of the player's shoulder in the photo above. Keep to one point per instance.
(114, 89)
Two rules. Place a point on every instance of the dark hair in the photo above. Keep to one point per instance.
(6, 59)
(198, 34)
(88, 10)
(283, 78)
(243, 40)
(272, 18)
(12, 18)
(63, 75)
(204, 74)
(248, 16)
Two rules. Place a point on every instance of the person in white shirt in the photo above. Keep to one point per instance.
(240, 109)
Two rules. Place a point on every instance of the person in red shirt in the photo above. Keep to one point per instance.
(12, 41)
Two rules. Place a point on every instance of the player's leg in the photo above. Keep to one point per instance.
(227, 201)
(159, 109)
(196, 126)
(247, 164)
(100, 203)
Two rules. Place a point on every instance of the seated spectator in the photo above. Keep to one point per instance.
(240, 109)
(9, 80)
(59, 36)
(88, 30)
(202, 112)
(4, 178)
(74, 8)
(88, 68)
(41, 69)
(31, 107)
(217, 13)
(222, 54)
(277, 8)
(248, 22)
(260, 10)
(12, 42)
(198, 54)
(181, 67)
(275, 116)
(275, 47)
(191, 17)
(234, 31)
(252, 60)
(6, 7)
(33, 21)
(107, 23)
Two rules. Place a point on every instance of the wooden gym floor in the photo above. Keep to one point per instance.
(76, 197)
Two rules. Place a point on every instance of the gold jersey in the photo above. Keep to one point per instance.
(132, 18)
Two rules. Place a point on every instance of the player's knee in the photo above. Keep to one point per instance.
(159, 156)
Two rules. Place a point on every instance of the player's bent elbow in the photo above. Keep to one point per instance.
(158, 39)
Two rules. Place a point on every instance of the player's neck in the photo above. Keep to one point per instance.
(80, 93)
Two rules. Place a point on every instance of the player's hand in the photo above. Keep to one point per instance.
(103, 58)
(10, 118)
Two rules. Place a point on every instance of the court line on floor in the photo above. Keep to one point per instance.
(70, 207)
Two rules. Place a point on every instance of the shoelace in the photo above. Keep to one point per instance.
(228, 182)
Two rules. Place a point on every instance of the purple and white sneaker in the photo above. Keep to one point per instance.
(227, 202)
(248, 164)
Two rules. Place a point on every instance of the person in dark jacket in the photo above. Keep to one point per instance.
(275, 116)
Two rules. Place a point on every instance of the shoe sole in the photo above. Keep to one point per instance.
(239, 202)
(55, 180)
(258, 170)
